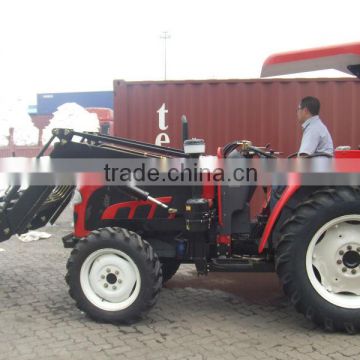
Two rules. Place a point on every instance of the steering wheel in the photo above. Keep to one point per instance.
(317, 154)
(262, 153)
(293, 155)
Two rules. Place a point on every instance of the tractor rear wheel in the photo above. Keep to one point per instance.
(114, 276)
(318, 258)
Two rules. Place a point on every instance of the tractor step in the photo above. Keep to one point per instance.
(241, 265)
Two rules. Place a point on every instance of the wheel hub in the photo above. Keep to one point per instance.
(111, 278)
(333, 261)
(351, 259)
(348, 259)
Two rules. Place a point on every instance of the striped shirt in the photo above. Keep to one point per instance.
(316, 137)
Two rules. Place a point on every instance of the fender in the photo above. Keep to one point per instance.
(80, 210)
(290, 190)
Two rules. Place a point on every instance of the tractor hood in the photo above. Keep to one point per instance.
(345, 58)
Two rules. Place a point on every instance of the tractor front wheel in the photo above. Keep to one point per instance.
(114, 276)
(318, 258)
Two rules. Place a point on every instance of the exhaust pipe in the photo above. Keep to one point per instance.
(185, 128)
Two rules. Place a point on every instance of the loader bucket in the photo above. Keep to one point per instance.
(32, 208)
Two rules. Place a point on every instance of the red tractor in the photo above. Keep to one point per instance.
(128, 240)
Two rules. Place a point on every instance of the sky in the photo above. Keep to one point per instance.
(64, 46)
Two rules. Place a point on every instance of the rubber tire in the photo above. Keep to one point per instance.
(169, 268)
(143, 256)
(296, 234)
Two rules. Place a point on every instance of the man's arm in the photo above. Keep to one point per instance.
(309, 143)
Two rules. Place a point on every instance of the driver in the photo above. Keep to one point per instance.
(316, 137)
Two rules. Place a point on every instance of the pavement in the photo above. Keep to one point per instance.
(221, 316)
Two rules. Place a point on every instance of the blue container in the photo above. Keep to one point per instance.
(32, 109)
(48, 103)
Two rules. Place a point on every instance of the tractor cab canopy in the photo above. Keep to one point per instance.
(345, 58)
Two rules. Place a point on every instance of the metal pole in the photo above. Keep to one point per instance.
(165, 35)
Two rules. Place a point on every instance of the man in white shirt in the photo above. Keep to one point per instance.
(316, 137)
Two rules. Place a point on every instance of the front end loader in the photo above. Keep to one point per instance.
(128, 240)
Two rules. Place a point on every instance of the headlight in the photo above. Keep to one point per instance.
(77, 198)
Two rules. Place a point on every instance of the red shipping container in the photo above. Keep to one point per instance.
(41, 121)
(220, 111)
(103, 114)
(106, 118)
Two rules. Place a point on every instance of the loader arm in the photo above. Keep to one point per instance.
(32, 208)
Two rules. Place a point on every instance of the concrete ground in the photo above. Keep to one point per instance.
(221, 316)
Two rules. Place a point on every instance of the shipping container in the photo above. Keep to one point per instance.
(48, 103)
(106, 118)
(220, 111)
(32, 109)
(12, 150)
(41, 121)
(103, 114)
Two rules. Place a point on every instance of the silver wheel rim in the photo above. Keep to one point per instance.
(110, 279)
(332, 261)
